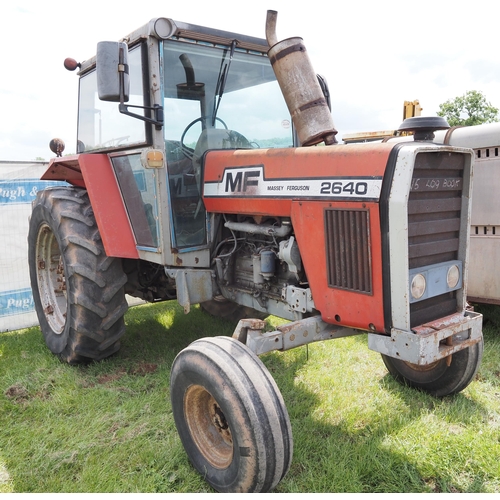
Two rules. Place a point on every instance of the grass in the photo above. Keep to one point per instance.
(108, 427)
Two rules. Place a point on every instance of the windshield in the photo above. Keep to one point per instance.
(251, 104)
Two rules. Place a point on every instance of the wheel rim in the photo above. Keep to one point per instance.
(422, 368)
(208, 427)
(51, 279)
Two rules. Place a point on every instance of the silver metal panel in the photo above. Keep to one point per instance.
(288, 336)
(484, 279)
(430, 343)
(478, 136)
(486, 187)
(193, 286)
(298, 299)
(398, 236)
(398, 229)
(423, 346)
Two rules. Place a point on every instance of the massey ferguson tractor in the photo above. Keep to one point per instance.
(208, 171)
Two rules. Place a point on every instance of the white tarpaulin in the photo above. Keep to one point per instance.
(19, 183)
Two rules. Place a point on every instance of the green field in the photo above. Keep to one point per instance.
(108, 427)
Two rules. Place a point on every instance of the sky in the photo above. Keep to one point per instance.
(374, 54)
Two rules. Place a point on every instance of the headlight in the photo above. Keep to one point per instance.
(418, 285)
(430, 281)
(453, 276)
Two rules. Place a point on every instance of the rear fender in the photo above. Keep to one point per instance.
(94, 172)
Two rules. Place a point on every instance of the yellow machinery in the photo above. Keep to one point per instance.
(410, 109)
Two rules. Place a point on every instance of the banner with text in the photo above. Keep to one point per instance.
(19, 184)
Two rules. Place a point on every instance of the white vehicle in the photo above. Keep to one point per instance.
(483, 281)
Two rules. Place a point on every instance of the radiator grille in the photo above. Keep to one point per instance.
(348, 250)
(434, 213)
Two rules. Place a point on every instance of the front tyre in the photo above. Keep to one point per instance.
(439, 379)
(230, 416)
(78, 291)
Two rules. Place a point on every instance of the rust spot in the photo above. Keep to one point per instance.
(298, 47)
(312, 104)
(219, 419)
(41, 264)
(178, 261)
(449, 342)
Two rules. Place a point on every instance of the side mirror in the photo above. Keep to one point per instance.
(324, 88)
(113, 81)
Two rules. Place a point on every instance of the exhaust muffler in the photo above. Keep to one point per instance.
(300, 87)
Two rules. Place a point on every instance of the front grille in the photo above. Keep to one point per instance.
(348, 250)
(434, 213)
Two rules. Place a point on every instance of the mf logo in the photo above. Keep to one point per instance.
(241, 181)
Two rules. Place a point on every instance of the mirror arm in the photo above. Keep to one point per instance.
(123, 108)
(158, 112)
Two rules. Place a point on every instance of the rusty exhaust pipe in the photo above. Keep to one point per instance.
(271, 19)
(300, 87)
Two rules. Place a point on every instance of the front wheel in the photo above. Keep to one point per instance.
(439, 379)
(230, 416)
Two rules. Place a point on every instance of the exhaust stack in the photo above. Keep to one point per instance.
(300, 87)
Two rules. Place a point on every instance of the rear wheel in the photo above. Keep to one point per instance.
(439, 379)
(231, 311)
(230, 416)
(78, 291)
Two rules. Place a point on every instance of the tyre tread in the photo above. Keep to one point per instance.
(244, 376)
(452, 380)
(96, 302)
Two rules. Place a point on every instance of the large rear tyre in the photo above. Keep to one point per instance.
(439, 379)
(78, 291)
(230, 416)
(230, 311)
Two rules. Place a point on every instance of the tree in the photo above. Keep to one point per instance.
(472, 108)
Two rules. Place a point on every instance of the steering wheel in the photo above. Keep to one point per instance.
(189, 152)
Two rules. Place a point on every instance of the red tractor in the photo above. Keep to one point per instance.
(207, 171)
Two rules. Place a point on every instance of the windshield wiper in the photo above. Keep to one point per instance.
(222, 78)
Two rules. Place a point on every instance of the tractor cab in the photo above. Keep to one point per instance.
(179, 91)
